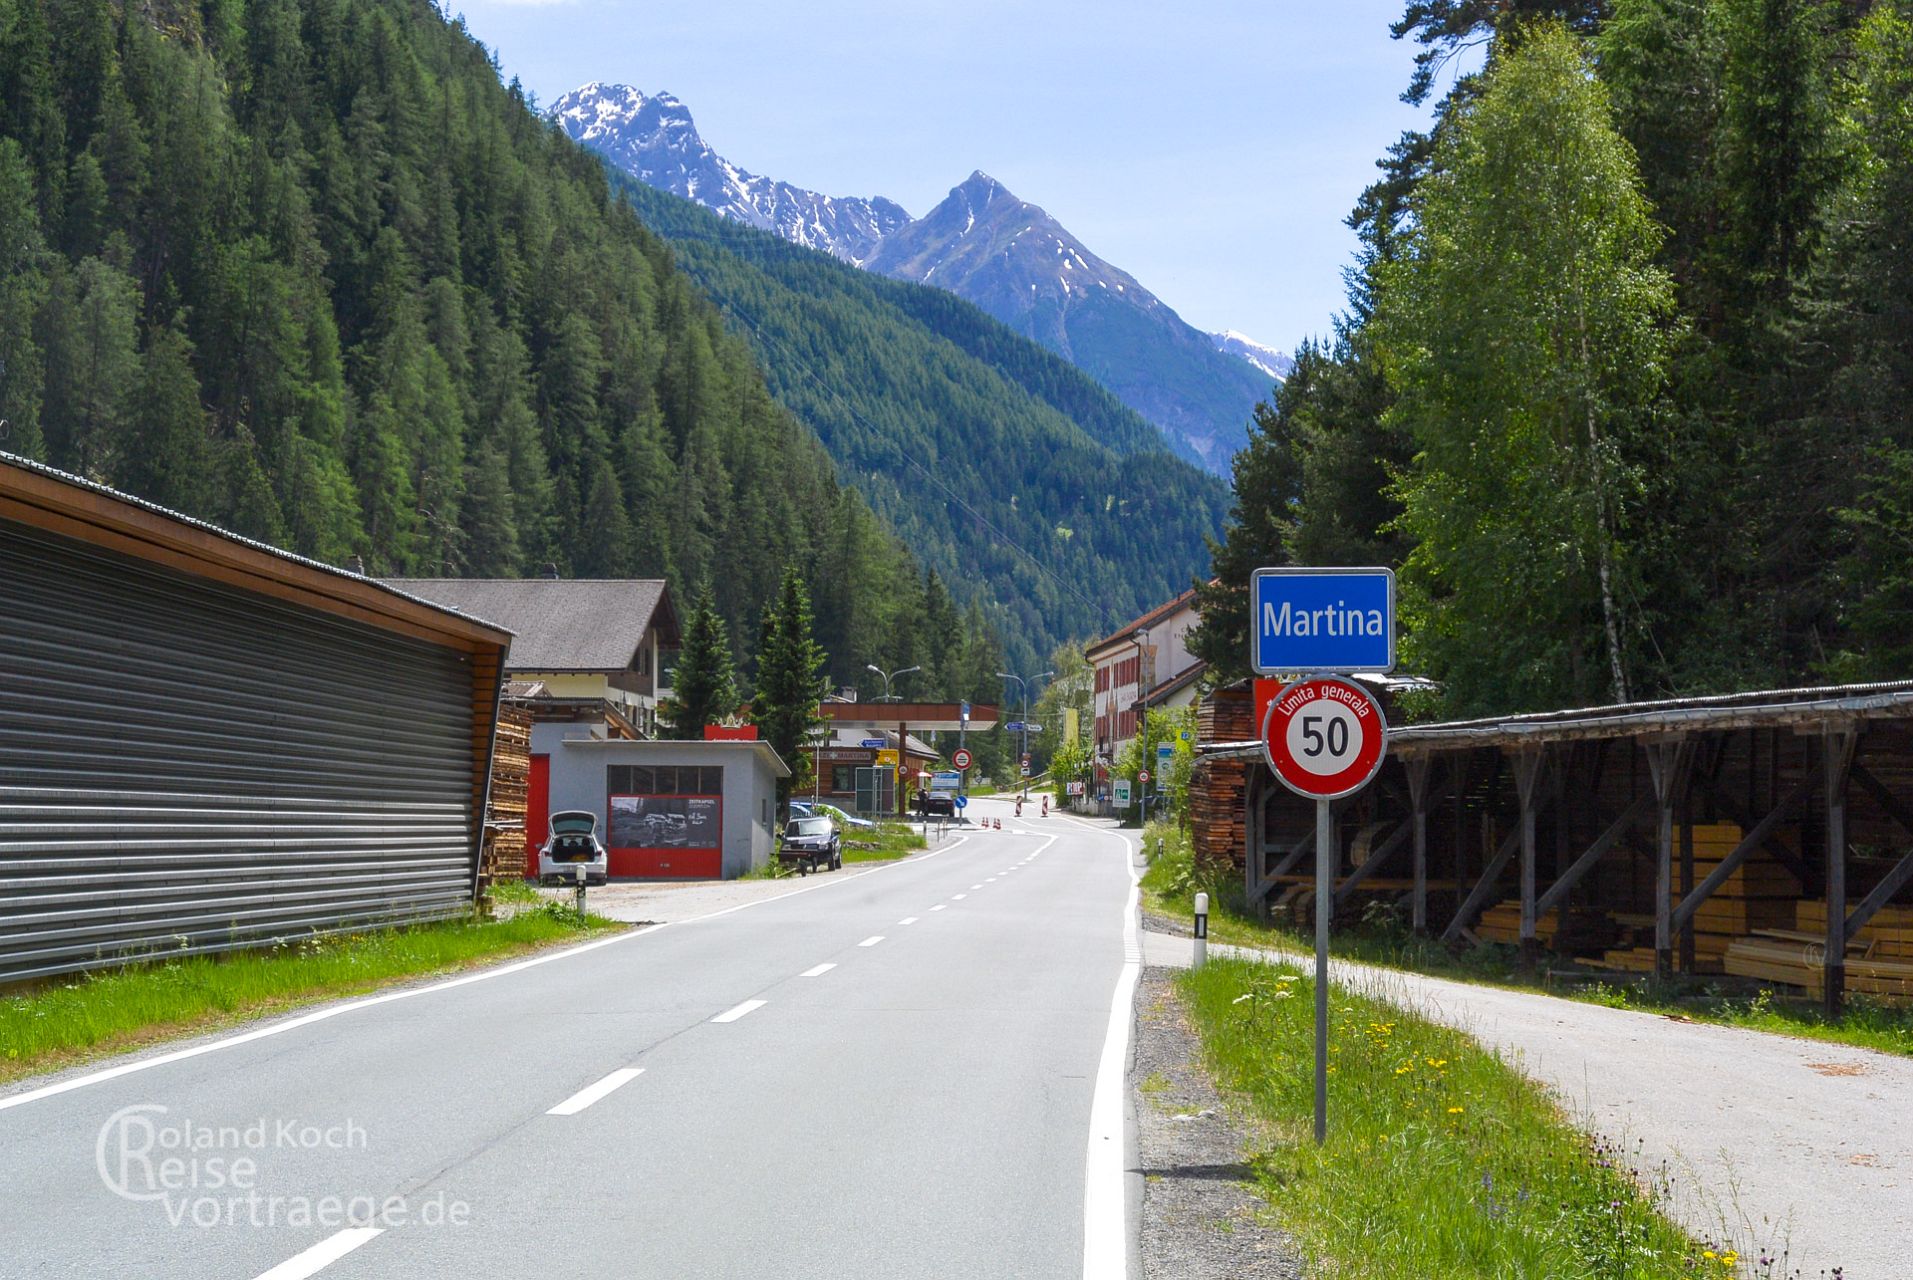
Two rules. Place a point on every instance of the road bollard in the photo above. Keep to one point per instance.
(1202, 929)
(581, 891)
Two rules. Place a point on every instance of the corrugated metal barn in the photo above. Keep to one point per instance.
(208, 744)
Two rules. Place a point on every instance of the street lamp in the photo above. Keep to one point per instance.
(888, 676)
(903, 730)
(1041, 675)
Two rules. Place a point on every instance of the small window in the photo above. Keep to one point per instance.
(711, 781)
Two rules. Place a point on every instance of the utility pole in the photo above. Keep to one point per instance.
(1141, 641)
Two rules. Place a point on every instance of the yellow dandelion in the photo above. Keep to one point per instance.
(1454, 1111)
(1708, 1253)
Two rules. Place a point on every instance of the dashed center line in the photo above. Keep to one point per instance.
(958, 897)
(322, 1254)
(872, 940)
(818, 970)
(908, 920)
(591, 1093)
(940, 906)
(976, 886)
(733, 1014)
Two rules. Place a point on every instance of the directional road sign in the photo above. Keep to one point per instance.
(876, 743)
(962, 758)
(1324, 738)
(961, 802)
(1014, 726)
(1308, 621)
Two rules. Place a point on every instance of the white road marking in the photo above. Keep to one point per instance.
(818, 970)
(908, 920)
(940, 906)
(1105, 1198)
(976, 886)
(872, 940)
(322, 1254)
(733, 1014)
(585, 1097)
(958, 897)
(485, 975)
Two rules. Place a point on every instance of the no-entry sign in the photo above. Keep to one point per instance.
(962, 758)
(1324, 738)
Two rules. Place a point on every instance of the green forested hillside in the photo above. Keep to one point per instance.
(1626, 383)
(966, 437)
(306, 268)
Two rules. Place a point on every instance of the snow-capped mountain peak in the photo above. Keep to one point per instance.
(653, 138)
(1266, 358)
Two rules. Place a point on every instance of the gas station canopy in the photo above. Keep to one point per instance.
(920, 716)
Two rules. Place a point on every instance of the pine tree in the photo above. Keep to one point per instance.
(22, 291)
(790, 681)
(168, 454)
(704, 685)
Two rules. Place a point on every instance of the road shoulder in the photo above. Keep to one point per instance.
(1201, 1214)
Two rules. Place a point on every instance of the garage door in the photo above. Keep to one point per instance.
(187, 767)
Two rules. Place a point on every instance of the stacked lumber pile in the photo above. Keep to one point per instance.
(1879, 956)
(1502, 923)
(510, 794)
(1759, 896)
(1218, 788)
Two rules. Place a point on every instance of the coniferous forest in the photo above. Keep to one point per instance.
(1625, 385)
(309, 270)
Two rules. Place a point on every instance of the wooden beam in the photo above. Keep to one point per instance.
(1417, 770)
(1896, 880)
(1838, 748)
(1745, 849)
(1527, 772)
(1376, 857)
(1668, 762)
(1483, 887)
(1585, 863)
(1895, 808)
(1779, 848)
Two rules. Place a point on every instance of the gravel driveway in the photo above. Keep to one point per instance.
(1770, 1142)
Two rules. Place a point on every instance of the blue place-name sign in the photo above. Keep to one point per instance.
(1321, 620)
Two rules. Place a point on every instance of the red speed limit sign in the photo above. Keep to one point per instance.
(961, 759)
(1324, 738)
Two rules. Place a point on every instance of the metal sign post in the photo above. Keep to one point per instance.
(1325, 739)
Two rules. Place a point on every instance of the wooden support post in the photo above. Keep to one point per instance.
(1687, 876)
(1837, 747)
(1754, 839)
(1417, 768)
(1667, 762)
(1558, 891)
(1527, 772)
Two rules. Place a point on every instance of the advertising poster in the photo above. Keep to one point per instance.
(665, 822)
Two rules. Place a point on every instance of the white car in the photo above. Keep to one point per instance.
(573, 843)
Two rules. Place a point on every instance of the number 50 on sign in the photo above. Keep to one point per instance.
(1324, 738)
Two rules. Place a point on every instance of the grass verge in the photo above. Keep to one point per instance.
(1171, 884)
(1441, 1159)
(121, 1009)
(892, 840)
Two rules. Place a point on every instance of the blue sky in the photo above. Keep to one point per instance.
(1210, 148)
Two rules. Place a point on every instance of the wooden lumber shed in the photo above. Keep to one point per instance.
(1767, 833)
(209, 744)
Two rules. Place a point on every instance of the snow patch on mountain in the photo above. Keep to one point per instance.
(653, 138)
(1272, 362)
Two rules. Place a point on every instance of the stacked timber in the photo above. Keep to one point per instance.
(1797, 958)
(1889, 933)
(510, 793)
(1502, 923)
(1218, 788)
(1760, 895)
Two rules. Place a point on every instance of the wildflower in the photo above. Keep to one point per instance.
(1454, 1111)
(1709, 1254)
(1730, 1257)
(1246, 995)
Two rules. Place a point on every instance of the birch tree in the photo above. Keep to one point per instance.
(1525, 329)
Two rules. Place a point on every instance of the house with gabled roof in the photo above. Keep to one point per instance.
(595, 645)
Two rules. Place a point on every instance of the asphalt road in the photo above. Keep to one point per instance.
(894, 1074)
